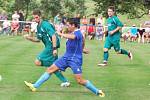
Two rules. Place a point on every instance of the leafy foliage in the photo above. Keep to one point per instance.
(49, 7)
(134, 8)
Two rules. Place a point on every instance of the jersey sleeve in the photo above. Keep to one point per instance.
(118, 22)
(78, 35)
(48, 28)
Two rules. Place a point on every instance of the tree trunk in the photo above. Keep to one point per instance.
(27, 8)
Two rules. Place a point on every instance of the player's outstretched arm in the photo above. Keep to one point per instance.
(54, 45)
(68, 36)
(31, 38)
(85, 50)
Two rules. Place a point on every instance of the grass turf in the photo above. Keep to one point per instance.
(121, 80)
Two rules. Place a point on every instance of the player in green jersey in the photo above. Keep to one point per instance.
(113, 38)
(47, 34)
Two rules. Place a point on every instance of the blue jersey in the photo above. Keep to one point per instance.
(73, 55)
(74, 46)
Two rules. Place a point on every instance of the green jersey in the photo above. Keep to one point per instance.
(45, 31)
(113, 22)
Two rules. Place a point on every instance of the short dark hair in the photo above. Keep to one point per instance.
(37, 12)
(112, 8)
(73, 21)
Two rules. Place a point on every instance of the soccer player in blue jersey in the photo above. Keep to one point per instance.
(47, 34)
(72, 58)
(113, 38)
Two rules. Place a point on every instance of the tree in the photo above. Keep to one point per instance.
(26, 5)
(50, 7)
(7, 6)
(134, 8)
(80, 6)
(68, 7)
(27, 2)
(73, 6)
(147, 3)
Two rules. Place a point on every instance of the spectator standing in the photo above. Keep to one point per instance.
(133, 32)
(99, 32)
(141, 35)
(21, 18)
(14, 27)
(83, 26)
(91, 31)
(6, 27)
(147, 29)
(125, 33)
(15, 16)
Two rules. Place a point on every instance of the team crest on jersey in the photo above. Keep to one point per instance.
(109, 24)
(78, 69)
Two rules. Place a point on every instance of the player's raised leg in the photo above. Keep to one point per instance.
(119, 50)
(43, 78)
(125, 52)
(59, 75)
(89, 85)
(37, 62)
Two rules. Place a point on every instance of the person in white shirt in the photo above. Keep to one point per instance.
(6, 27)
(15, 16)
(33, 27)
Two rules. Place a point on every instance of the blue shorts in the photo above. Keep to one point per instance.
(64, 62)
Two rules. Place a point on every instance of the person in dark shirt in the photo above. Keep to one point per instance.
(141, 35)
(21, 18)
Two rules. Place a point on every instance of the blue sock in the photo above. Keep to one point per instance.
(60, 76)
(44, 77)
(106, 55)
(91, 87)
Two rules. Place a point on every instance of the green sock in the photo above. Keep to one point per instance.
(60, 76)
(124, 52)
(106, 55)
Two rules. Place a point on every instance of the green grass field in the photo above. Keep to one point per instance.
(121, 80)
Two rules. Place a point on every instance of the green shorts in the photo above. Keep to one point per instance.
(46, 57)
(116, 44)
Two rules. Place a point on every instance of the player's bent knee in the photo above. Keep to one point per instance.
(80, 81)
(105, 49)
(37, 63)
(53, 68)
(118, 51)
